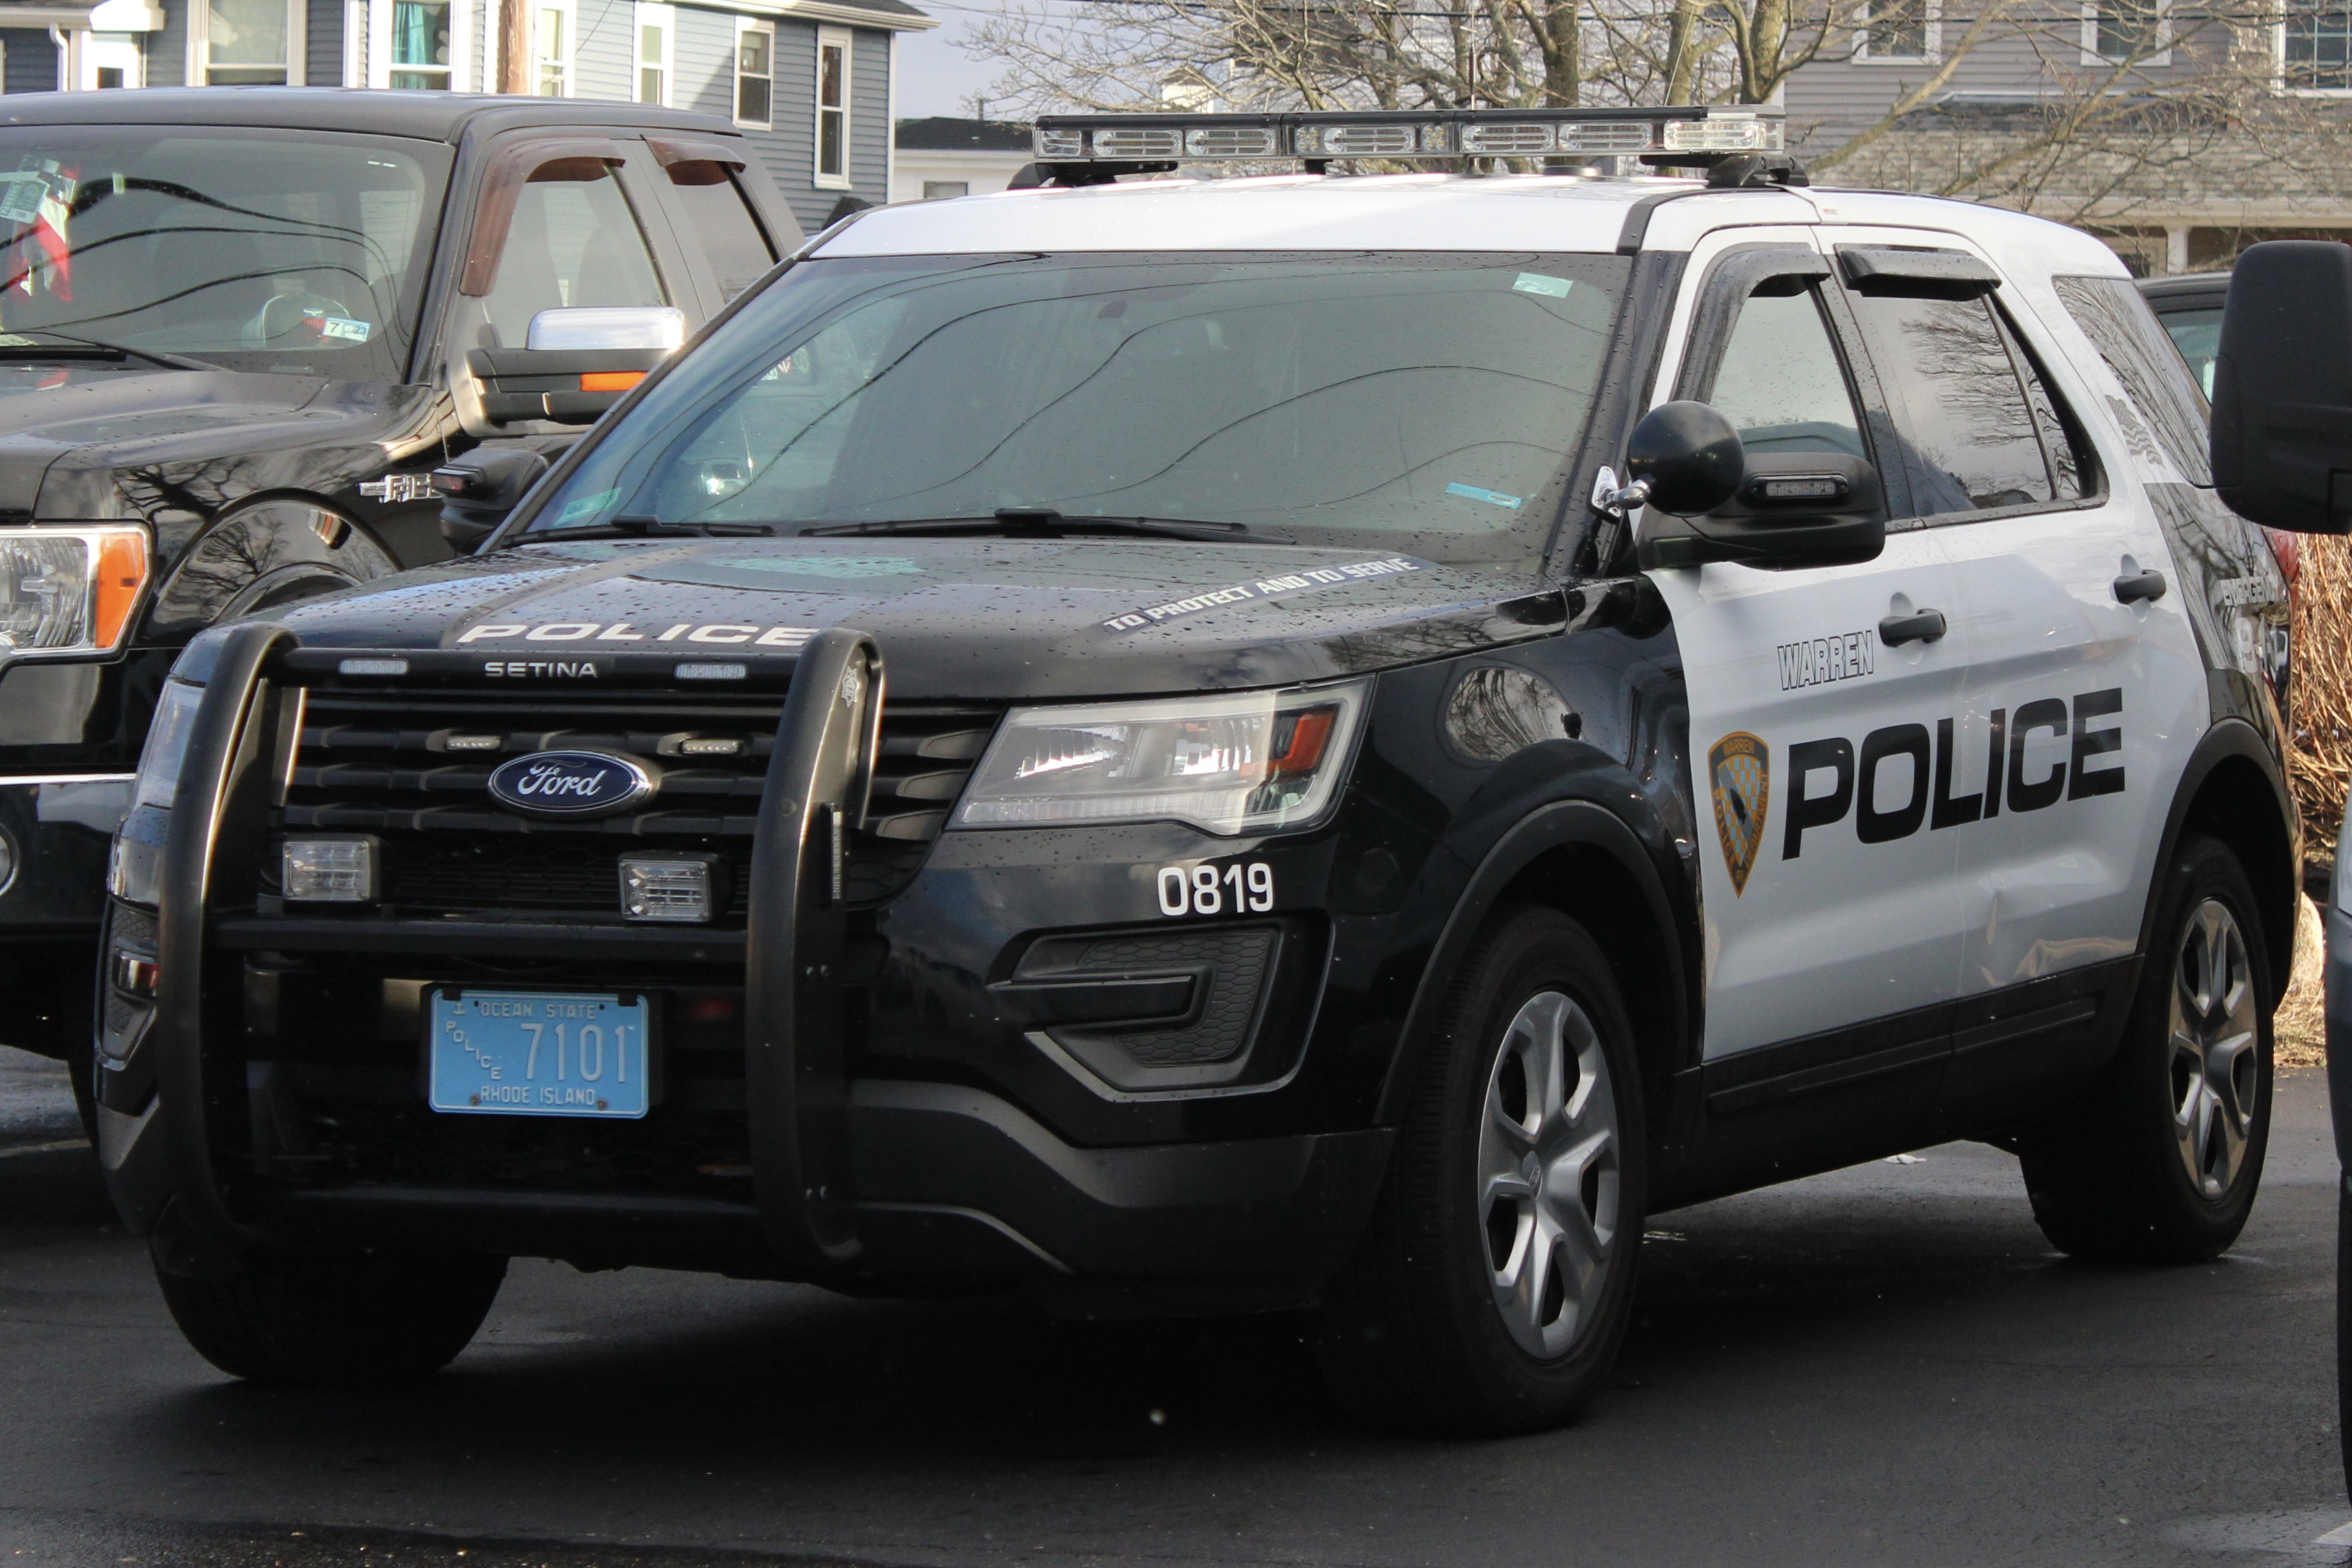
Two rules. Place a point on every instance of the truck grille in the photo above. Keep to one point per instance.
(414, 768)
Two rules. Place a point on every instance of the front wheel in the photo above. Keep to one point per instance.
(2160, 1160)
(356, 1321)
(1493, 1289)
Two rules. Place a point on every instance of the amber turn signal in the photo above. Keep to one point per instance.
(610, 380)
(121, 574)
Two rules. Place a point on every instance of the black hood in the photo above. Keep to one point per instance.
(91, 443)
(971, 617)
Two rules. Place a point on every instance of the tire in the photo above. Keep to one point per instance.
(343, 1321)
(2159, 1161)
(81, 1065)
(1492, 1289)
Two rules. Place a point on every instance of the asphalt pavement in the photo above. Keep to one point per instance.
(1884, 1365)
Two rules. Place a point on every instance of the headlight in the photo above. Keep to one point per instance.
(68, 590)
(137, 860)
(167, 744)
(1251, 762)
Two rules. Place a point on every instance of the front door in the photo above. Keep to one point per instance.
(1830, 900)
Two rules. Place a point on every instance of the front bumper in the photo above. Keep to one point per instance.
(53, 838)
(819, 1122)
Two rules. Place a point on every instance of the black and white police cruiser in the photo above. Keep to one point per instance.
(1211, 745)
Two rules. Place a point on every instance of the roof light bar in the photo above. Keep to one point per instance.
(1696, 135)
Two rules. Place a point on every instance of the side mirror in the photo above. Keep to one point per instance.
(576, 362)
(661, 327)
(1687, 457)
(2282, 433)
(480, 488)
(1711, 500)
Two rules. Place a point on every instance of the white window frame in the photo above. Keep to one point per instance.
(2278, 65)
(743, 26)
(200, 17)
(379, 42)
(570, 62)
(1934, 40)
(2157, 57)
(654, 13)
(845, 41)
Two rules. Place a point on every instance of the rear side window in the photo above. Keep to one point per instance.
(2165, 409)
(2198, 335)
(720, 219)
(1958, 385)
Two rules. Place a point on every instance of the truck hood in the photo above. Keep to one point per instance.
(955, 617)
(82, 442)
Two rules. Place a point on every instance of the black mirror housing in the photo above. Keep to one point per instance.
(1688, 456)
(480, 488)
(2282, 436)
(1711, 500)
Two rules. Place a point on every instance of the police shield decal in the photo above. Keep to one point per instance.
(1741, 767)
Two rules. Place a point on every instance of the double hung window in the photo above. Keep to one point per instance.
(755, 74)
(832, 108)
(246, 43)
(656, 50)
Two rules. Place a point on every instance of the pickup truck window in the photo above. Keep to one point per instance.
(570, 242)
(250, 250)
(1412, 402)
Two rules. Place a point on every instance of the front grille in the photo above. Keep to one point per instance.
(414, 768)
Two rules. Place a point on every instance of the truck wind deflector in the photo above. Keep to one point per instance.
(1899, 271)
(795, 1087)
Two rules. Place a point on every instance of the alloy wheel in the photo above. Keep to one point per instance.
(1548, 1175)
(2215, 1060)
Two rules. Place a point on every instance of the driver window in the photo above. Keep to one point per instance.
(571, 241)
(1779, 381)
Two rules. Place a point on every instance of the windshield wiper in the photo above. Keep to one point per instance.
(90, 348)
(640, 527)
(1040, 523)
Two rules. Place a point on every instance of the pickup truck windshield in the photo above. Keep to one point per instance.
(1426, 403)
(271, 250)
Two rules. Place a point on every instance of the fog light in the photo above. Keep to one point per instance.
(133, 973)
(679, 888)
(329, 870)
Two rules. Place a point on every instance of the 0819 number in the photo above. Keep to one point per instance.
(1207, 889)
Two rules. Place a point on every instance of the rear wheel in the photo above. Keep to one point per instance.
(351, 1321)
(1492, 1289)
(2160, 1160)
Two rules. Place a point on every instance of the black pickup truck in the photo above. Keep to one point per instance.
(238, 332)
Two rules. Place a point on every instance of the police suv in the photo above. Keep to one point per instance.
(1238, 744)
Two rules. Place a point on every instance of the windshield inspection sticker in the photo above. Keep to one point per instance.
(1305, 579)
(1492, 497)
(1537, 283)
(344, 327)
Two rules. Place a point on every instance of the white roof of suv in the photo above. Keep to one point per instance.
(1422, 212)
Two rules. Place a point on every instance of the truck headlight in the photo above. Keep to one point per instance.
(138, 855)
(1245, 762)
(66, 591)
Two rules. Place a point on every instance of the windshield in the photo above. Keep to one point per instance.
(1421, 403)
(248, 249)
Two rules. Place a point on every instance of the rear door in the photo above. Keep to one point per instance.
(728, 238)
(2081, 708)
(1832, 920)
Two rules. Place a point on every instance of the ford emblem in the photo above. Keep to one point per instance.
(571, 784)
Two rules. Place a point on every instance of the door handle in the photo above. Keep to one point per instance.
(2138, 586)
(1923, 625)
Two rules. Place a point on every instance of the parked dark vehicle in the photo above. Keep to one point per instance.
(2190, 307)
(238, 330)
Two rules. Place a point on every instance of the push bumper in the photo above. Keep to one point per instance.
(866, 1184)
(53, 838)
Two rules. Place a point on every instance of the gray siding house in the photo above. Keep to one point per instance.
(810, 81)
(2217, 130)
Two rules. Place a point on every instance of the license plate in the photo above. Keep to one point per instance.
(538, 1053)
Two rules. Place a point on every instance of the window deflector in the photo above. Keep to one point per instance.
(511, 168)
